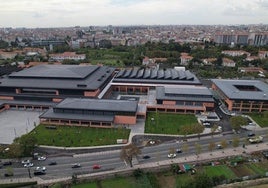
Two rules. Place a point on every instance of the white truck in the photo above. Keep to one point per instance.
(256, 139)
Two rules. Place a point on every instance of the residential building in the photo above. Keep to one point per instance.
(67, 56)
(226, 62)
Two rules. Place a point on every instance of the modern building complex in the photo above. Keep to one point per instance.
(140, 80)
(242, 95)
(183, 99)
(55, 82)
(92, 112)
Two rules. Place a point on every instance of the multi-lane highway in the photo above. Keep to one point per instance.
(109, 160)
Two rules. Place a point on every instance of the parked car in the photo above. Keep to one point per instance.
(41, 158)
(178, 151)
(7, 163)
(96, 166)
(76, 165)
(25, 161)
(265, 154)
(146, 157)
(251, 134)
(219, 146)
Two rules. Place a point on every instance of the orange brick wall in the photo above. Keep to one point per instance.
(169, 102)
(91, 93)
(209, 104)
(56, 100)
(6, 98)
(230, 104)
(131, 120)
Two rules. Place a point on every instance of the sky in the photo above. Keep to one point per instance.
(68, 13)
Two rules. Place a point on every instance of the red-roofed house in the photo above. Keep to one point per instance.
(67, 56)
(185, 58)
(228, 62)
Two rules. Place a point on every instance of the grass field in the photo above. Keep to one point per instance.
(260, 119)
(164, 123)
(67, 136)
(169, 180)
(219, 171)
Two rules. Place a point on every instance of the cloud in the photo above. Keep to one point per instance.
(57, 13)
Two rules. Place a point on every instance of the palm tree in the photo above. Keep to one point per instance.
(128, 152)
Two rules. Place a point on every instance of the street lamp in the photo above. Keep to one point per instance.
(29, 171)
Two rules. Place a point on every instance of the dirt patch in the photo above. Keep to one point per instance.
(167, 181)
(241, 171)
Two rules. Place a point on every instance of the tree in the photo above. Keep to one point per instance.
(27, 144)
(235, 142)
(213, 130)
(223, 144)
(198, 148)
(15, 151)
(211, 147)
(128, 152)
(185, 147)
(237, 122)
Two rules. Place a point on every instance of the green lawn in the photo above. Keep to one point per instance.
(129, 182)
(118, 183)
(260, 119)
(258, 169)
(78, 136)
(165, 123)
(219, 171)
(86, 185)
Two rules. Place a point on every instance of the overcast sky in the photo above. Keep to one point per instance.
(64, 13)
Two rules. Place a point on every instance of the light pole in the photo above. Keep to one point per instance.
(29, 171)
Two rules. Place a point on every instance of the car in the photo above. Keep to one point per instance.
(39, 172)
(7, 163)
(251, 134)
(96, 166)
(52, 163)
(25, 161)
(178, 151)
(172, 155)
(265, 154)
(41, 158)
(146, 157)
(219, 146)
(8, 174)
(27, 165)
(39, 168)
(76, 165)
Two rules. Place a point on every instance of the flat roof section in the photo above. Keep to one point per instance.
(243, 89)
(99, 104)
(184, 93)
(83, 117)
(56, 71)
(93, 81)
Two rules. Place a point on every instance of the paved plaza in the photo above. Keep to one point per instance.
(14, 123)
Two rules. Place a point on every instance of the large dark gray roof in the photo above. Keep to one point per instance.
(83, 117)
(77, 77)
(184, 93)
(56, 71)
(228, 87)
(99, 104)
(169, 76)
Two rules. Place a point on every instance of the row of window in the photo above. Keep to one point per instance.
(91, 112)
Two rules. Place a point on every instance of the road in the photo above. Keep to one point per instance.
(111, 159)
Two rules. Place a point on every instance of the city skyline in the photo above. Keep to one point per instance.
(66, 13)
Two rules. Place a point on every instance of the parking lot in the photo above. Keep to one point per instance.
(14, 123)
